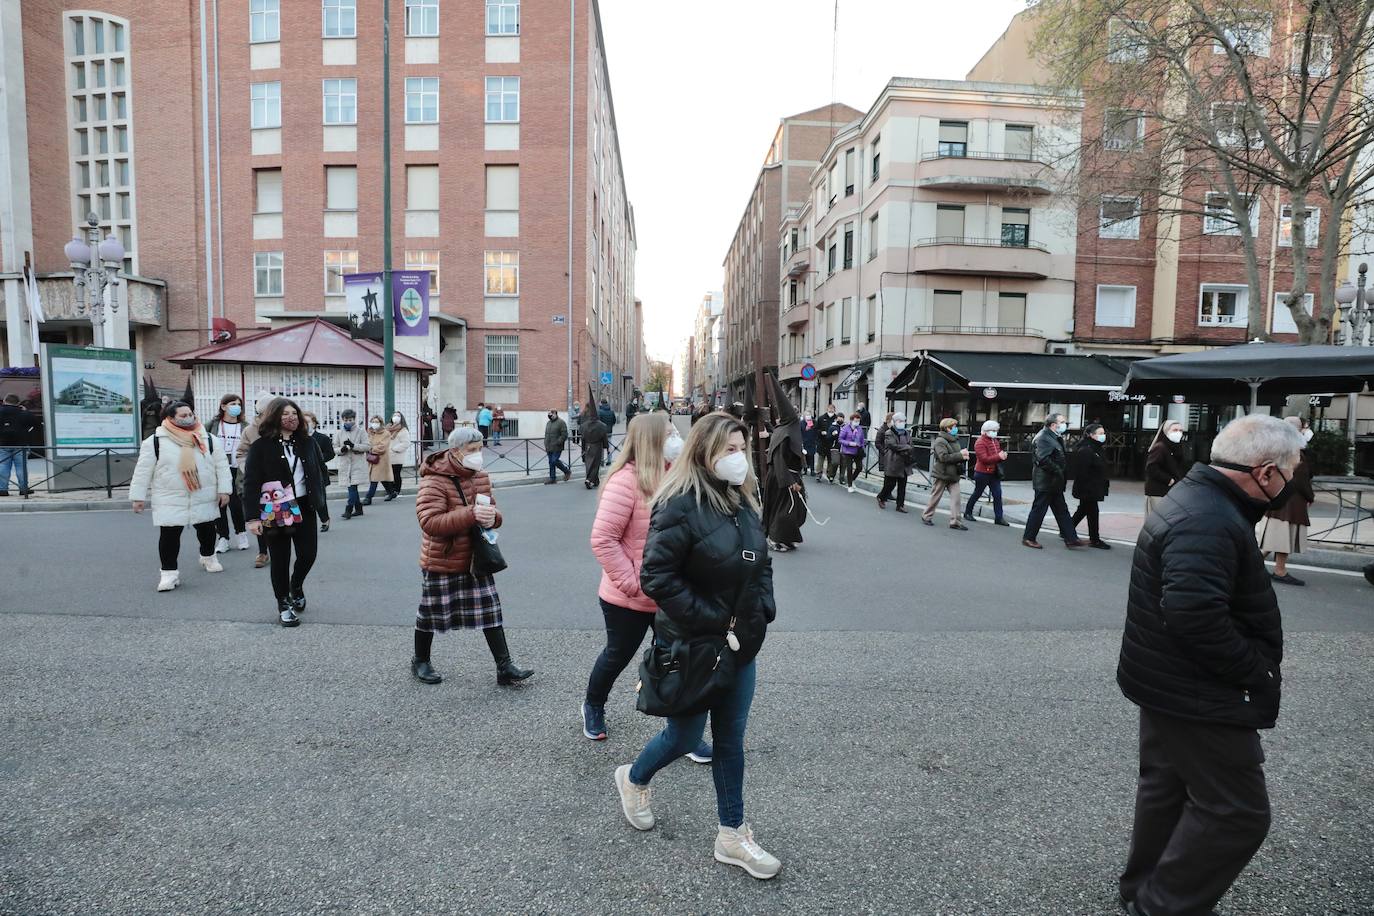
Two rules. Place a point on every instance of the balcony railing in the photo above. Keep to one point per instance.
(1006, 331)
(978, 243)
(999, 157)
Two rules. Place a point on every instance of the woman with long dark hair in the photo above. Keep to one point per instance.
(283, 490)
(228, 426)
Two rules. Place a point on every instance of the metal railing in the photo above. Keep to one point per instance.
(996, 157)
(1010, 330)
(979, 243)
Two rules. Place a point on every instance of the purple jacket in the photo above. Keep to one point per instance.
(851, 440)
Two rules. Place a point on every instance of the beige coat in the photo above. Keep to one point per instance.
(380, 445)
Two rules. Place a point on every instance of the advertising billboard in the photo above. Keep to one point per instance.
(90, 396)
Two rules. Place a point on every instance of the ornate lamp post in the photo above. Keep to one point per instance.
(96, 264)
(1356, 312)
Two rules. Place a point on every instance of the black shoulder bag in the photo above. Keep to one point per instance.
(486, 556)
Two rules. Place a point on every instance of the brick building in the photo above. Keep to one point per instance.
(240, 161)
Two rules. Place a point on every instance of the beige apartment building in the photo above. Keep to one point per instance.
(931, 222)
(239, 159)
(707, 337)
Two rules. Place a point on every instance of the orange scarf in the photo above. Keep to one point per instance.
(189, 440)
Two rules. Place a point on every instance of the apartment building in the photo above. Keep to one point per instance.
(706, 340)
(931, 222)
(240, 161)
(750, 318)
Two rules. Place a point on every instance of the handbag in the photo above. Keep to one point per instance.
(684, 677)
(486, 556)
(374, 458)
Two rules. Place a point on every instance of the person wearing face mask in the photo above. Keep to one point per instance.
(947, 461)
(398, 453)
(618, 536)
(1165, 463)
(828, 442)
(1048, 479)
(555, 440)
(987, 472)
(186, 478)
(809, 442)
(454, 500)
(706, 567)
(227, 426)
(250, 435)
(1283, 531)
(285, 476)
(852, 445)
(325, 445)
(1090, 484)
(896, 457)
(379, 470)
(350, 450)
(1200, 656)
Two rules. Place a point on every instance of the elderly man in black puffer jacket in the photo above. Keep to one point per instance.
(1200, 657)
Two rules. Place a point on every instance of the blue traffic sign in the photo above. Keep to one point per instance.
(607, 378)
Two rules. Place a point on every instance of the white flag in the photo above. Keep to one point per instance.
(35, 304)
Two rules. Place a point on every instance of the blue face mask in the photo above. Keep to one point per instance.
(954, 430)
(347, 425)
(234, 410)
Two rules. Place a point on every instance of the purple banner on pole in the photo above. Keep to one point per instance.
(363, 295)
(410, 295)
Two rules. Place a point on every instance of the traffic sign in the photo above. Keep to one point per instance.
(807, 383)
(607, 378)
(808, 372)
(560, 320)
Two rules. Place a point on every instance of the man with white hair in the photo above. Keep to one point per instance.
(1200, 657)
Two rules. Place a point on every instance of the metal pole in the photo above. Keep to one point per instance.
(1352, 399)
(568, 312)
(388, 316)
(205, 179)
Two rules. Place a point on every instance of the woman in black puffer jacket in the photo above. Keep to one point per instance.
(706, 566)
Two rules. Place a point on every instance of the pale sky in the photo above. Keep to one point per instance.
(699, 88)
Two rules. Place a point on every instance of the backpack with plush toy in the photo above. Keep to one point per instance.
(279, 506)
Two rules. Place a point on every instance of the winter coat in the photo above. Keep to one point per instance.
(484, 418)
(326, 447)
(1203, 637)
(379, 443)
(16, 425)
(448, 419)
(1089, 472)
(606, 416)
(157, 480)
(704, 568)
(445, 523)
(399, 450)
(1294, 512)
(1050, 462)
(808, 431)
(988, 455)
(851, 440)
(618, 536)
(267, 462)
(246, 440)
(351, 460)
(828, 431)
(896, 452)
(865, 418)
(946, 460)
(555, 436)
(1164, 466)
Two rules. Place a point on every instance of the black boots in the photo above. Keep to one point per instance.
(297, 599)
(419, 663)
(348, 512)
(507, 674)
(286, 613)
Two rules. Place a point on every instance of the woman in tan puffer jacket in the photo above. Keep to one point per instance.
(453, 505)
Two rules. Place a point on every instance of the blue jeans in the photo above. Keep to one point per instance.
(982, 481)
(353, 498)
(18, 458)
(556, 464)
(681, 734)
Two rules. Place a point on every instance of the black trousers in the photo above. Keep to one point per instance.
(1049, 500)
(304, 539)
(888, 484)
(394, 485)
(811, 461)
(234, 510)
(591, 461)
(1201, 813)
(1087, 508)
(169, 542)
(625, 630)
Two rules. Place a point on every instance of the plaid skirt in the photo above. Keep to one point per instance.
(451, 601)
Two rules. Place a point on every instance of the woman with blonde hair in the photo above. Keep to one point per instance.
(706, 566)
(378, 452)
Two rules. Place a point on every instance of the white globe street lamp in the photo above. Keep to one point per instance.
(96, 264)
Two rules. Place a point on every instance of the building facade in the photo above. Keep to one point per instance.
(705, 367)
(240, 162)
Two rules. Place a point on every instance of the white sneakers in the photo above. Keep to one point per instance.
(737, 847)
(850, 490)
(221, 545)
(211, 564)
(170, 579)
(243, 540)
(634, 800)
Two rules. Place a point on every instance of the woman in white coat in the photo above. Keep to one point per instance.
(186, 477)
(398, 453)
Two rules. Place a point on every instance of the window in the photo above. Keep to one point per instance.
(98, 35)
(503, 17)
(422, 18)
(1124, 44)
(266, 99)
(871, 318)
(832, 251)
(425, 260)
(831, 191)
(1223, 305)
(422, 187)
(267, 273)
(341, 101)
(1319, 55)
(1247, 37)
(336, 264)
(1119, 218)
(846, 320)
(1011, 311)
(503, 359)
(877, 159)
(949, 221)
(1015, 227)
(1018, 141)
(953, 138)
(1115, 307)
(503, 99)
(949, 305)
(793, 236)
(264, 20)
(873, 236)
(340, 18)
(1217, 218)
(848, 245)
(121, 139)
(502, 272)
(78, 36)
(1283, 321)
(503, 187)
(832, 324)
(848, 172)
(117, 31)
(267, 191)
(791, 293)
(1122, 129)
(1236, 125)
(1312, 226)
(341, 187)
(422, 100)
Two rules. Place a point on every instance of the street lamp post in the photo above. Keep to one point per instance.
(1355, 311)
(96, 264)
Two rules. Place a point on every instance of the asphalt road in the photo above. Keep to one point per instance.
(937, 731)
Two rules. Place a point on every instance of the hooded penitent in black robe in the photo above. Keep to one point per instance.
(784, 511)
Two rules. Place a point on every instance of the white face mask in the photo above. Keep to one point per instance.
(374, 426)
(733, 468)
(472, 462)
(1307, 435)
(1174, 435)
(672, 448)
(396, 418)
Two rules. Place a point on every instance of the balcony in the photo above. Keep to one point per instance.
(1005, 339)
(984, 172)
(798, 262)
(796, 316)
(981, 258)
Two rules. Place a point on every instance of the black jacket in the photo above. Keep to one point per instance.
(1164, 464)
(266, 461)
(325, 445)
(828, 431)
(16, 425)
(702, 568)
(1089, 471)
(1050, 462)
(594, 432)
(1203, 636)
